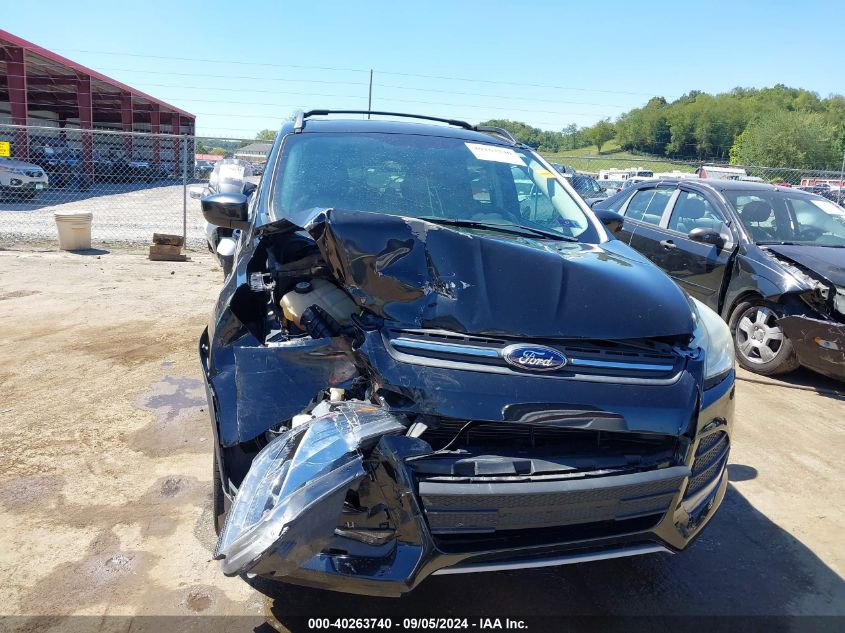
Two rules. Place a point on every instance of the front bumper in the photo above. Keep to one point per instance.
(819, 345)
(547, 523)
(22, 184)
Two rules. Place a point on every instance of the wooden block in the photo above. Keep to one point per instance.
(168, 258)
(165, 249)
(164, 238)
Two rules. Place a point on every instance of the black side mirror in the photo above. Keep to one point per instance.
(612, 220)
(249, 188)
(228, 210)
(706, 235)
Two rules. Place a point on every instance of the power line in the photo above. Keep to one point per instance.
(363, 70)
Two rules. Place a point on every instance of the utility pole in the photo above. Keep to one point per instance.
(841, 174)
(370, 100)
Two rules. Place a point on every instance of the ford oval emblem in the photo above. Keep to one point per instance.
(533, 357)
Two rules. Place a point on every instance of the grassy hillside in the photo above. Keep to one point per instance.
(588, 159)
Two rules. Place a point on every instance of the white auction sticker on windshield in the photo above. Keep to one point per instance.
(495, 153)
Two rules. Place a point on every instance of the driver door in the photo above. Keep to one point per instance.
(699, 268)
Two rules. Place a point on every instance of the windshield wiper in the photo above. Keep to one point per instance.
(513, 229)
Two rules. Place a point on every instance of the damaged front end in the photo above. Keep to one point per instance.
(391, 399)
(816, 326)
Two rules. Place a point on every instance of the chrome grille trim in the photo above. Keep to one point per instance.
(477, 351)
(446, 348)
(606, 364)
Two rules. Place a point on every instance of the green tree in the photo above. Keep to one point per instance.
(788, 139)
(218, 151)
(266, 135)
(600, 133)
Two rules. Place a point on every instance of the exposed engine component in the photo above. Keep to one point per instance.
(321, 293)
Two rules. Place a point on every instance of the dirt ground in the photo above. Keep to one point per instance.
(105, 474)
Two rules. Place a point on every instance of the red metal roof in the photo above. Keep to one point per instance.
(34, 49)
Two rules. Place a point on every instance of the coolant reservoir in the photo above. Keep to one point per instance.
(321, 292)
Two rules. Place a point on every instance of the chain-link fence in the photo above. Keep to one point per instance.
(616, 169)
(135, 184)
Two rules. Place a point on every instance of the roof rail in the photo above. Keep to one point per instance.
(311, 113)
(299, 121)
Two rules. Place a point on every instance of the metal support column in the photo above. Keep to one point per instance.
(155, 129)
(127, 121)
(16, 78)
(176, 128)
(86, 122)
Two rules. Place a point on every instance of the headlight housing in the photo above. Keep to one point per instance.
(291, 497)
(713, 336)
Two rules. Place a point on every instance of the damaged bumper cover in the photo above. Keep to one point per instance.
(819, 344)
(291, 518)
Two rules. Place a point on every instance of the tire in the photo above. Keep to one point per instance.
(218, 502)
(759, 342)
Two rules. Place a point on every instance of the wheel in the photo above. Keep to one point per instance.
(759, 341)
(218, 502)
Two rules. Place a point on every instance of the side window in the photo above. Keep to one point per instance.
(648, 205)
(693, 211)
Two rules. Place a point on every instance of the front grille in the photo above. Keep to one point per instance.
(636, 359)
(517, 436)
(491, 507)
(710, 459)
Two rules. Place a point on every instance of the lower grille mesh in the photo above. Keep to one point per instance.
(709, 461)
(453, 508)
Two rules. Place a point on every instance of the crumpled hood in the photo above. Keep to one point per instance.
(822, 260)
(420, 274)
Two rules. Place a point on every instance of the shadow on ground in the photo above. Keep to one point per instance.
(743, 564)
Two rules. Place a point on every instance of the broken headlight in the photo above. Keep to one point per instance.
(712, 335)
(292, 495)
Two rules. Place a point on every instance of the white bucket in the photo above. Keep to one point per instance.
(74, 230)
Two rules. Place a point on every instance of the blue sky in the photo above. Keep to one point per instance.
(546, 63)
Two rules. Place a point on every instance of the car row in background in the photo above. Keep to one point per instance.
(770, 260)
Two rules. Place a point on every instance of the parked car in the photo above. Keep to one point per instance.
(431, 376)
(202, 168)
(20, 179)
(770, 260)
(611, 186)
(634, 180)
(566, 170)
(65, 167)
(588, 188)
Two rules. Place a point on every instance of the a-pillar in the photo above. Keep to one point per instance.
(86, 122)
(16, 76)
(127, 122)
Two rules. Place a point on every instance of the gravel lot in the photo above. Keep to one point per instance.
(105, 473)
(123, 214)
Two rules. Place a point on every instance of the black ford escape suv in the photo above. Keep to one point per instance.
(417, 368)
